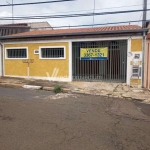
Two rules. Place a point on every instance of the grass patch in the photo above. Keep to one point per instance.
(57, 89)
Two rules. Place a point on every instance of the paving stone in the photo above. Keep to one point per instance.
(138, 91)
(126, 88)
(147, 101)
(118, 93)
(135, 96)
(34, 87)
(48, 88)
(65, 90)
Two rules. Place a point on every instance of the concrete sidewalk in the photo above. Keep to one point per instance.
(20, 82)
(119, 90)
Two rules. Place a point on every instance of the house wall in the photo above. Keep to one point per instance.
(39, 26)
(135, 47)
(40, 68)
(147, 65)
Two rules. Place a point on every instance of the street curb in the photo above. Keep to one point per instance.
(12, 85)
(47, 88)
(65, 90)
(34, 87)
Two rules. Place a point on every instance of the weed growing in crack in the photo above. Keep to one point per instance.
(57, 89)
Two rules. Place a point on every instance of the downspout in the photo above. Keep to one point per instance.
(143, 58)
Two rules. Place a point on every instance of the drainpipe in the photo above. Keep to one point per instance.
(143, 57)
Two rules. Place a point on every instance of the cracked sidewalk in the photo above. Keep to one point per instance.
(117, 90)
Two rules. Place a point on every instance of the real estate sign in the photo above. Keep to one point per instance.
(94, 53)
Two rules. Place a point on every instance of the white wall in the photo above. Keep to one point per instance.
(130, 58)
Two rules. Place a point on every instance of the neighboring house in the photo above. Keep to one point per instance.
(147, 62)
(147, 59)
(104, 54)
(39, 26)
(8, 29)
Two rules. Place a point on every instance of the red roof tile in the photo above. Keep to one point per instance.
(79, 30)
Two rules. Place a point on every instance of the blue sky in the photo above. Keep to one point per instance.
(78, 6)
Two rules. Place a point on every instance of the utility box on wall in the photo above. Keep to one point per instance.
(136, 69)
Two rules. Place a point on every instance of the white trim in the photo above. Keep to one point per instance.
(128, 62)
(70, 61)
(42, 78)
(64, 47)
(77, 40)
(6, 48)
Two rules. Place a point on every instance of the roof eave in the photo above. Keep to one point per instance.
(77, 34)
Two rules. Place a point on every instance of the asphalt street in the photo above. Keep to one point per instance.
(30, 120)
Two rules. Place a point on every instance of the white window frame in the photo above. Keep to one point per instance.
(64, 47)
(6, 57)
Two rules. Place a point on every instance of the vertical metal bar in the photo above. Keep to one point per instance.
(92, 63)
(78, 61)
(116, 62)
(110, 65)
(73, 61)
(125, 59)
(14, 53)
(121, 61)
(105, 65)
(73, 56)
(74, 49)
(85, 73)
(147, 62)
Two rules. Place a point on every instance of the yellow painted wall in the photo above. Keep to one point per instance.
(132, 62)
(40, 66)
(136, 81)
(136, 45)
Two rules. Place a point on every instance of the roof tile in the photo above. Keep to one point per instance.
(78, 30)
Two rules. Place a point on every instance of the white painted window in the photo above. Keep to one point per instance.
(16, 53)
(53, 52)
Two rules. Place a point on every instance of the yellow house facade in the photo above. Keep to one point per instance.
(58, 59)
(40, 67)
